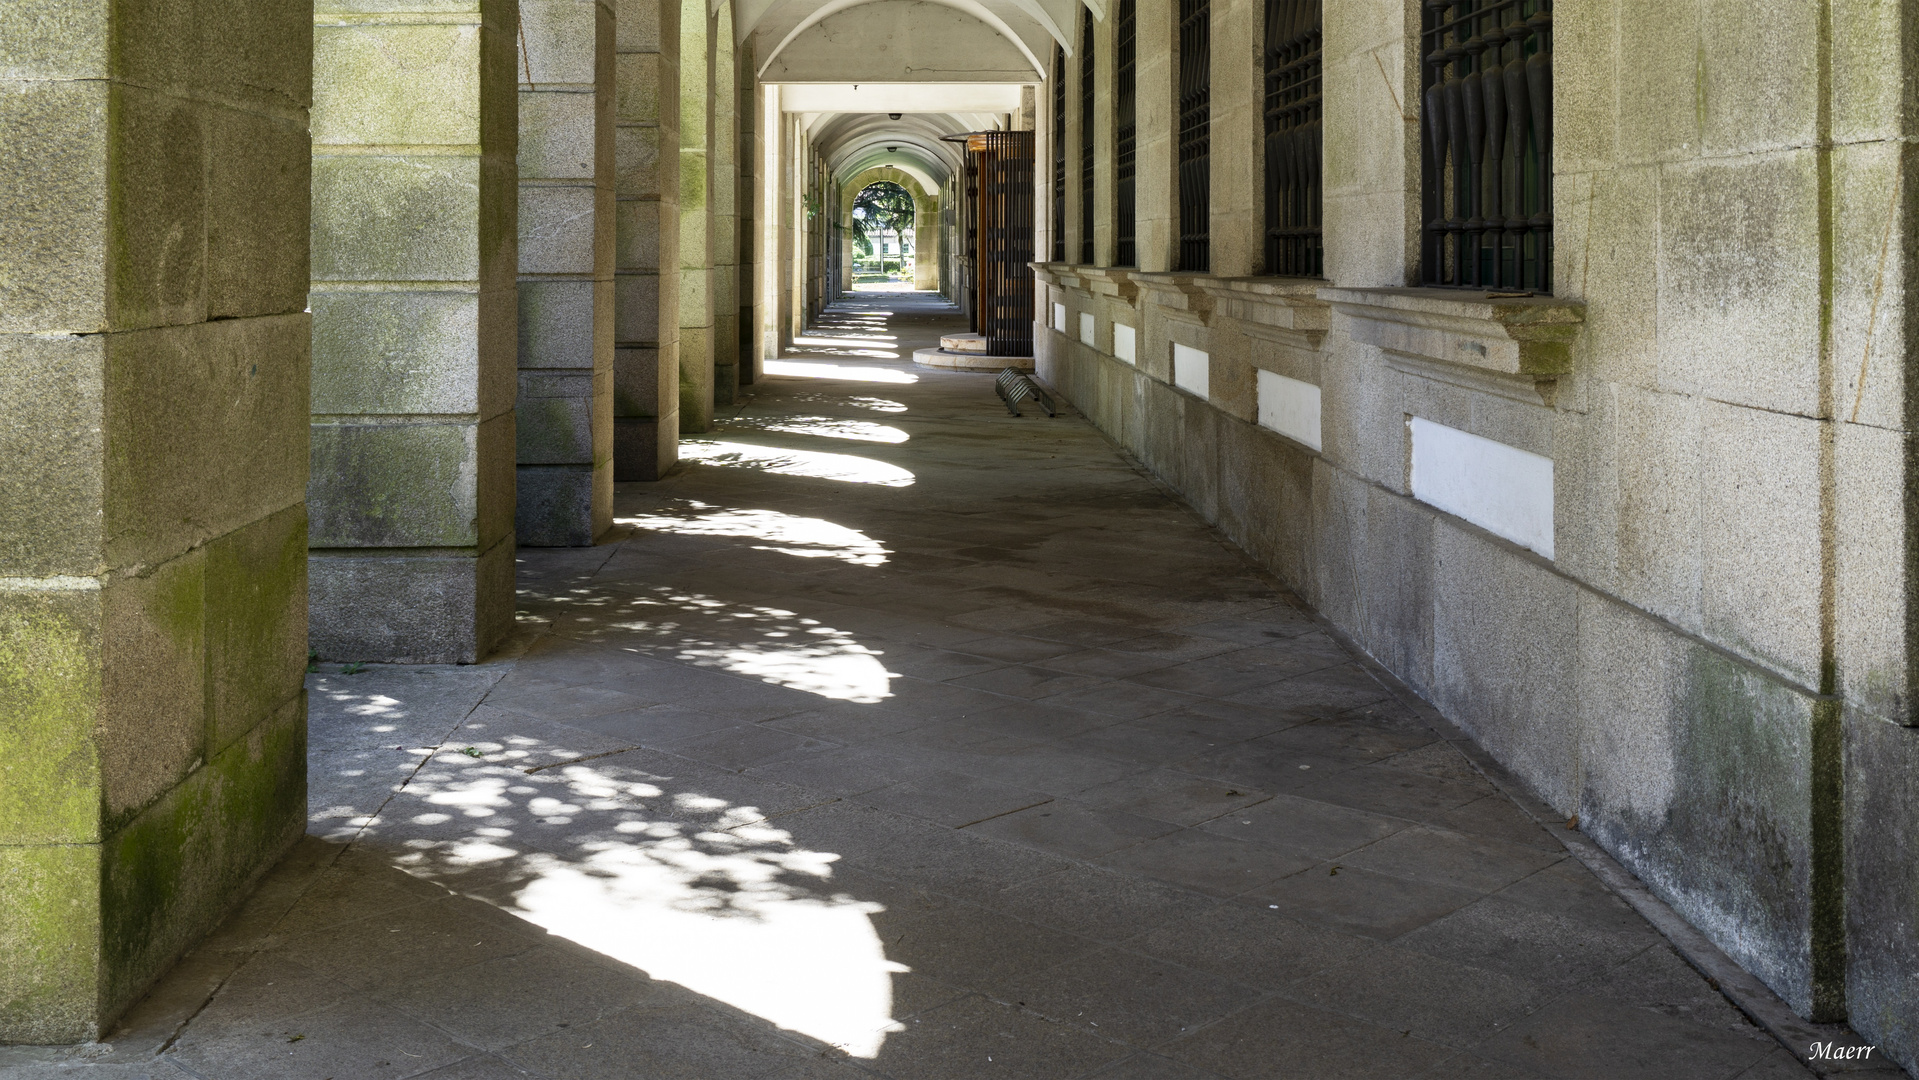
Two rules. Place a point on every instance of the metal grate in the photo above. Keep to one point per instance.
(1195, 134)
(1294, 244)
(1086, 87)
(1059, 154)
(1013, 386)
(1125, 131)
(1487, 144)
(1005, 207)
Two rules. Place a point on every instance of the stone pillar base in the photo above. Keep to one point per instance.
(398, 608)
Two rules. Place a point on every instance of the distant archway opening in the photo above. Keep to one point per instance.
(883, 234)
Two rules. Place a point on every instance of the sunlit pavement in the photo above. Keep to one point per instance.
(897, 736)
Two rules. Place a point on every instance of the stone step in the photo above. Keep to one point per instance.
(966, 343)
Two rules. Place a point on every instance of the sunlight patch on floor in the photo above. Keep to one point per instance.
(788, 534)
(685, 887)
(814, 463)
(825, 427)
(841, 670)
(823, 349)
(835, 335)
(770, 644)
(807, 369)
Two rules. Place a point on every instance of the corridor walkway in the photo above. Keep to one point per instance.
(896, 736)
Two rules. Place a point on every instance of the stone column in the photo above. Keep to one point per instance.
(1156, 145)
(1237, 229)
(926, 241)
(414, 330)
(748, 102)
(696, 217)
(564, 420)
(153, 457)
(646, 361)
(1106, 139)
(726, 212)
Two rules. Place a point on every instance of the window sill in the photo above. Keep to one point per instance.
(1515, 337)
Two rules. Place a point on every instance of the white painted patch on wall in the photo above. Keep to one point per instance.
(1059, 317)
(1123, 343)
(1192, 370)
(1289, 407)
(1088, 332)
(1502, 489)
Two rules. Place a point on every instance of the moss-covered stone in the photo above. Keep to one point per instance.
(256, 624)
(394, 485)
(169, 876)
(50, 938)
(152, 724)
(49, 703)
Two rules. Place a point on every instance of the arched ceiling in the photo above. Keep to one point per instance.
(944, 67)
(1038, 24)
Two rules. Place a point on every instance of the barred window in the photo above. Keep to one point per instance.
(1195, 134)
(1125, 131)
(1059, 153)
(1293, 242)
(1487, 144)
(1086, 107)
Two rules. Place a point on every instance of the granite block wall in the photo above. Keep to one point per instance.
(154, 366)
(563, 421)
(415, 329)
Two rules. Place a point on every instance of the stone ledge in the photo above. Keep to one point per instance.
(1522, 337)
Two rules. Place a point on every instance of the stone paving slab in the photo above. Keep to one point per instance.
(897, 737)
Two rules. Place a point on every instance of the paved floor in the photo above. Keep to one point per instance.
(900, 737)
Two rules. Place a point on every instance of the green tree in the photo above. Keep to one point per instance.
(886, 207)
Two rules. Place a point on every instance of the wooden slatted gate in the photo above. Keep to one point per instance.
(1003, 211)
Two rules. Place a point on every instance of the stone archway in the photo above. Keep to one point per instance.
(926, 221)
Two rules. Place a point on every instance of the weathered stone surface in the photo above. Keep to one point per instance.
(50, 690)
(555, 506)
(396, 352)
(557, 230)
(1882, 882)
(1504, 640)
(256, 617)
(153, 392)
(1760, 532)
(443, 608)
(52, 39)
(52, 455)
(206, 439)
(558, 324)
(169, 876)
(554, 422)
(557, 139)
(413, 410)
(259, 177)
(151, 729)
(395, 485)
(396, 218)
(1727, 832)
(54, 245)
(49, 988)
(396, 84)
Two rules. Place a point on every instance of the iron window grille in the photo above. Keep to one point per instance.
(1487, 144)
(1086, 106)
(1195, 134)
(1059, 154)
(1125, 131)
(1294, 245)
